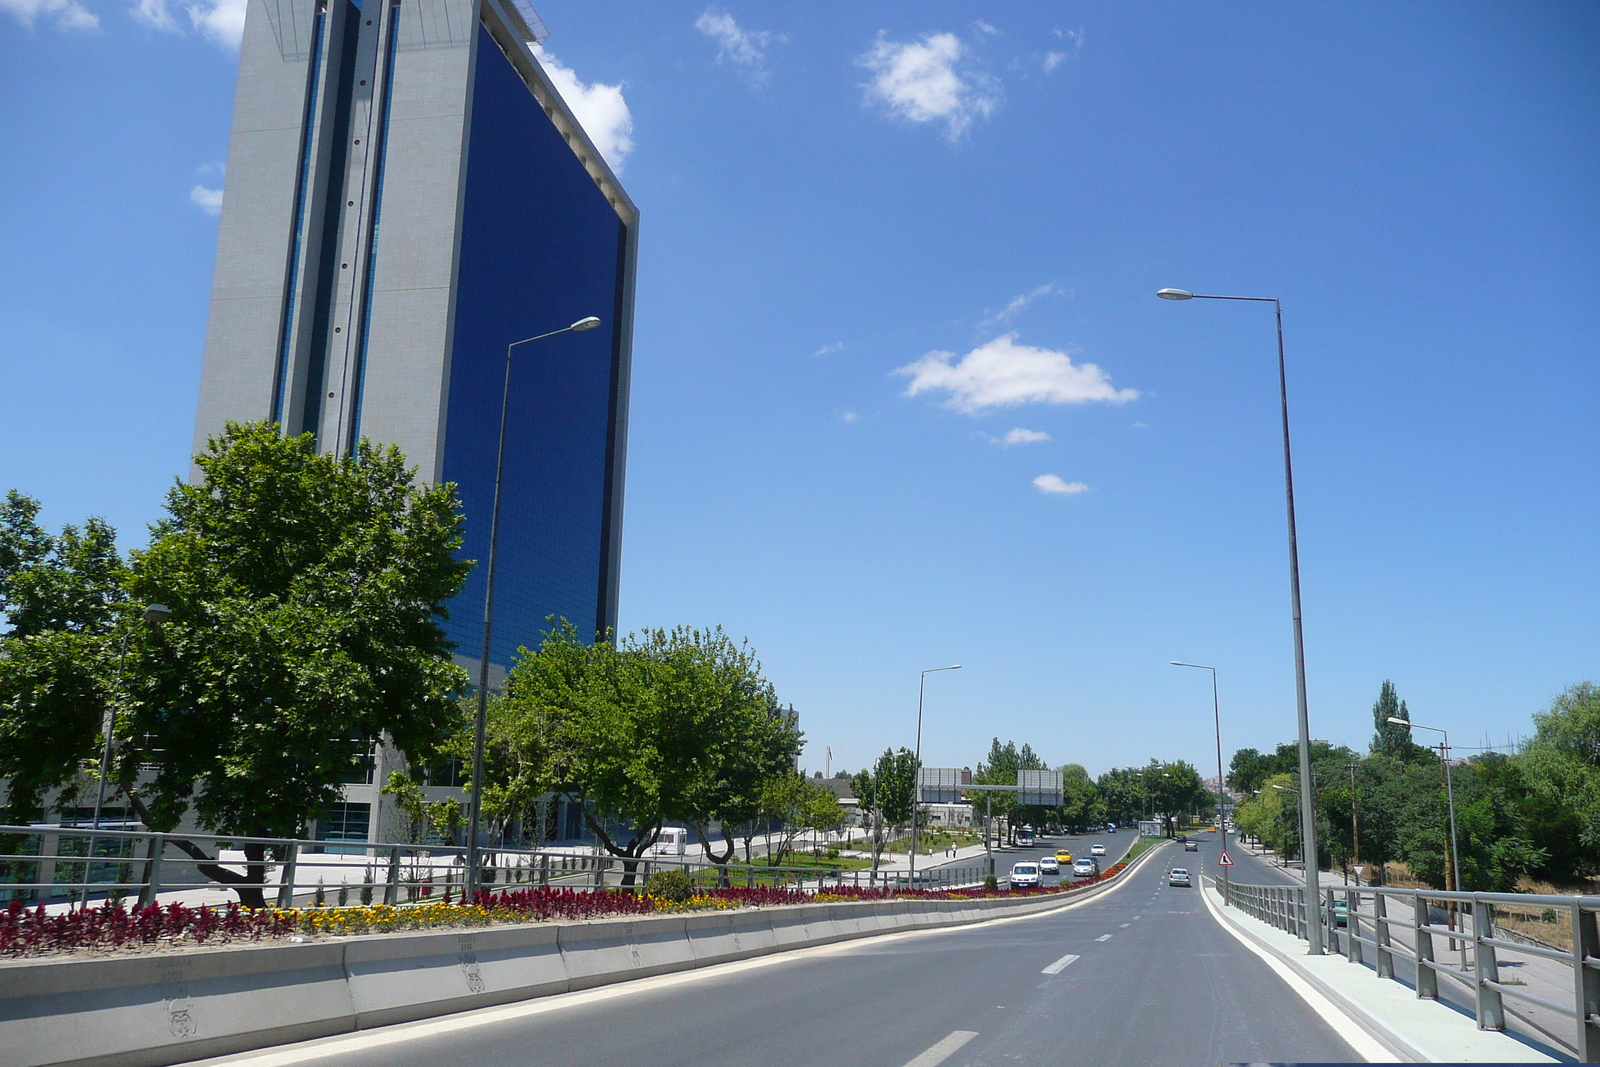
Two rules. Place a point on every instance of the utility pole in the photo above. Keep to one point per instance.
(1355, 826)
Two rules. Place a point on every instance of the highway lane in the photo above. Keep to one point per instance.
(1139, 975)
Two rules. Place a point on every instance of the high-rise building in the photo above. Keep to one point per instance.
(407, 194)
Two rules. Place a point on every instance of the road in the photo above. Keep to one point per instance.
(1139, 975)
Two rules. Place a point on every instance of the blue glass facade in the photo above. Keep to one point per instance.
(540, 248)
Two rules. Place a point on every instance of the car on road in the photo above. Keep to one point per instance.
(1048, 865)
(1191, 846)
(1063, 855)
(1180, 876)
(1024, 875)
(1111, 827)
(1085, 868)
(1097, 850)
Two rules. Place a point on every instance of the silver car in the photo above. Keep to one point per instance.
(1049, 865)
(1180, 876)
(1085, 868)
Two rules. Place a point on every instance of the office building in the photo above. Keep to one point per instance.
(406, 195)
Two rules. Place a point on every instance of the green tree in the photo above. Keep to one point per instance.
(1562, 763)
(797, 805)
(1390, 738)
(884, 798)
(1001, 769)
(1248, 769)
(666, 726)
(1080, 800)
(306, 592)
(61, 597)
(1122, 792)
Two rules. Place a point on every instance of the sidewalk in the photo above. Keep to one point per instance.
(1419, 1030)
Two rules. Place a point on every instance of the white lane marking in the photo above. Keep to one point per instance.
(944, 1049)
(1126, 925)
(1104, 937)
(1136, 918)
(1363, 1043)
(1060, 965)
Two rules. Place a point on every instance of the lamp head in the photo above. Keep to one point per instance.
(1399, 721)
(586, 323)
(1175, 294)
(156, 614)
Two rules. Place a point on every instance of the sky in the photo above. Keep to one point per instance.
(903, 394)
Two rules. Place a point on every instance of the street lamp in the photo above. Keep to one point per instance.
(916, 770)
(1450, 794)
(1222, 807)
(586, 323)
(1308, 820)
(154, 615)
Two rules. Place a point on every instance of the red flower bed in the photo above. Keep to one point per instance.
(548, 902)
(25, 931)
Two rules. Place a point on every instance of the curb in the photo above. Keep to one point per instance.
(157, 1010)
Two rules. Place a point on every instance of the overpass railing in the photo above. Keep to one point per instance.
(72, 866)
(1462, 937)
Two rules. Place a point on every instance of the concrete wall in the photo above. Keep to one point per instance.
(151, 1010)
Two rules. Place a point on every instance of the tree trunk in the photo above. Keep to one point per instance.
(249, 886)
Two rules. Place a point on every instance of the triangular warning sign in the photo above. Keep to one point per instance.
(1225, 860)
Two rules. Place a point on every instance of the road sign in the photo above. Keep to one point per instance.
(1039, 788)
(1225, 861)
(940, 785)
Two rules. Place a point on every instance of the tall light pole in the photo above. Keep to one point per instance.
(1308, 814)
(587, 323)
(1222, 806)
(1450, 795)
(154, 615)
(916, 771)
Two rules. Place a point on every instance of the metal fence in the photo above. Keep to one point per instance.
(1476, 929)
(76, 865)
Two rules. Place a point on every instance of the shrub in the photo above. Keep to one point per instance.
(671, 887)
(991, 884)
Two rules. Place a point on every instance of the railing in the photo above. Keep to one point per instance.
(66, 865)
(1356, 920)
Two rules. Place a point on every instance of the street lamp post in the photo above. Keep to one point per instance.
(1450, 795)
(155, 615)
(472, 873)
(916, 770)
(1222, 806)
(1308, 820)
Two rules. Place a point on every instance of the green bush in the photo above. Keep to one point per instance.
(673, 887)
(991, 883)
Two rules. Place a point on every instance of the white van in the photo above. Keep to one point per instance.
(1024, 875)
(674, 841)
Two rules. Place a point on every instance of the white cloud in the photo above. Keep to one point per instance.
(1019, 436)
(850, 416)
(599, 109)
(1052, 60)
(220, 20)
(1050, 483)
(154, 13)
(1018, 303)
(1141, 426)
(743, 48)
(828, 350)
(207, 200)
(1002, 373)
(918, 81)
(67, 14)
(984, 27)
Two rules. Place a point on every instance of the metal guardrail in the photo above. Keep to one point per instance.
(1434, 915)
(65, 864)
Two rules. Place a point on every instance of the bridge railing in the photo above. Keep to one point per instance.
(73, 866)
(1462, 937)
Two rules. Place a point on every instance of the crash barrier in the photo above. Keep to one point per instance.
(1477, 928)
(149, 1010)
(78, 865)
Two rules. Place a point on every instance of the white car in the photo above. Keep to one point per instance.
(1085, 868)
(1024, 875)
(1180, 876)
(1097, 850)
(1049, 865)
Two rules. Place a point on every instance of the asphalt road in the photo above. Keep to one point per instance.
(1140, 975)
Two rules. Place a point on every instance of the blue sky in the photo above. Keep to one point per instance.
(903, 394)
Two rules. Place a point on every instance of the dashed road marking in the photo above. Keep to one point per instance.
(1060, 965)
(1104, 937)
(944, 1049)
(1126, 925)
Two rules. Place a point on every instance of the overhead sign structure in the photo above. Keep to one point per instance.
(940, 785)
(1039, 789)
(1225, 861)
